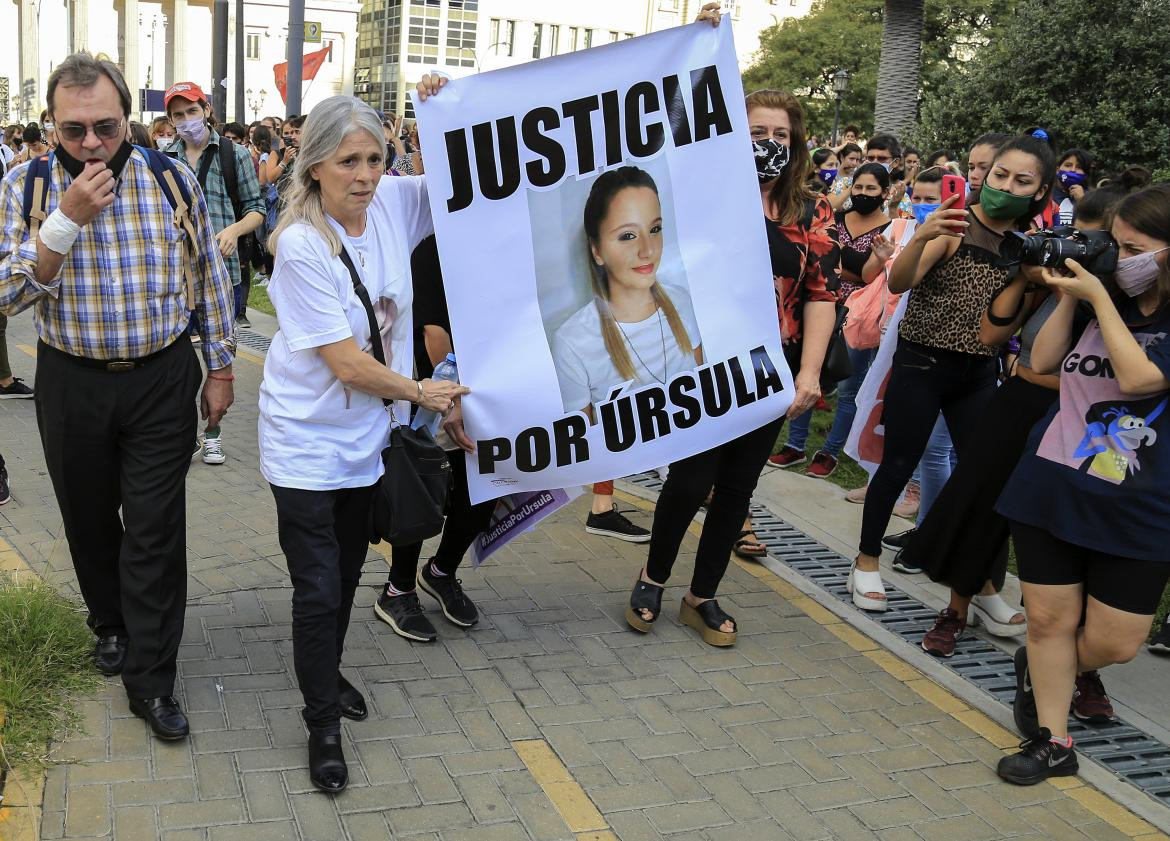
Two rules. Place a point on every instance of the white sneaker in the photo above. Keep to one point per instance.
(213, 450)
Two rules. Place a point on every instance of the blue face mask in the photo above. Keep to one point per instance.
(827, 175)
(1068, 178)
(921, 211)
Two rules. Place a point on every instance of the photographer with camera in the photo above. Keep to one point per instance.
(1089, 503)
(952, 264)
(963, 541)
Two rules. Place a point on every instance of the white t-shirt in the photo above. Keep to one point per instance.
(315, 434)
(585, 370)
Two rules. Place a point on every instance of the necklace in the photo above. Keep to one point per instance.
(662, 335)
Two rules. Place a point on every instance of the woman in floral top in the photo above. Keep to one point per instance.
(802, 237)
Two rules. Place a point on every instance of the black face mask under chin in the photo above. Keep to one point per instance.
(75, 167)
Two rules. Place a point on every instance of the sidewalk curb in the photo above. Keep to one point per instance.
(1121, 793)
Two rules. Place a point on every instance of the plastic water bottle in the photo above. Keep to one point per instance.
(445, 370)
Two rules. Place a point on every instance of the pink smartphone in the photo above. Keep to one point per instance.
(954, 185)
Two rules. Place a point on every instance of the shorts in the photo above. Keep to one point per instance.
(1127, 584)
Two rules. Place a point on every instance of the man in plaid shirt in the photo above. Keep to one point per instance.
(112, 276)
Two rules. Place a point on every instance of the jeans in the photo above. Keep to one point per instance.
(733, 469)
(5, 368)
(846, 407)
(325, 537)
(935, 466)
(923, 381)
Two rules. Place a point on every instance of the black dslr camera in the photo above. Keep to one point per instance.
(1095, 250)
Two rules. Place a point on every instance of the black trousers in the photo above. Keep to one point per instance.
(122, 440)
(324, 535)
(464, 522)
(923, 381)
(733, 469)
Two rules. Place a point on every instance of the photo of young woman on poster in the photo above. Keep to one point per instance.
(636, 329)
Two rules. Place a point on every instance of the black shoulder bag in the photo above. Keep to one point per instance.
(411, 497)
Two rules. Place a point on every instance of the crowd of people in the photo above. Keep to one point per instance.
(1023, 401)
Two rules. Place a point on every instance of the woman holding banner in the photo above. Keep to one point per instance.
(805, 254)
(322, 421)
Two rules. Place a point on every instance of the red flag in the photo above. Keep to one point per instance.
(311, 63)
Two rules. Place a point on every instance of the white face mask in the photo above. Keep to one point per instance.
(162, 141)
(194, 131)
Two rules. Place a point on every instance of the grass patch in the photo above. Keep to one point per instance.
(258, 299)
(45, 663)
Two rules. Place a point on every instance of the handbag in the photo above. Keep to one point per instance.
(837, 365)
(872, 306)
(410, 499)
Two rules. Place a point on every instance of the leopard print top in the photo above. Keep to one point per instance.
(946, 308)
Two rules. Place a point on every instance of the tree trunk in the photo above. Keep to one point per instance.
(897, 87)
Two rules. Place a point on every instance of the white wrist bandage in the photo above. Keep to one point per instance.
(59, 232)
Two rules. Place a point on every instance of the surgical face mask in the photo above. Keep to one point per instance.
(162, 141)
(194, 131)
(48, 127)
(1136, 274)
(888, 166)
(922, 210)
(999, 204)
(827, 175)
(771, 158)
(1068, 178)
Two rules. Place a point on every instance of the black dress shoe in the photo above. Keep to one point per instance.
(327, 768)
(353, 705)
(109, 654)
(163, 715)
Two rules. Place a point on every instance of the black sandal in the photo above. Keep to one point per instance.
(646, 596)
(707, 619)
(757, 551)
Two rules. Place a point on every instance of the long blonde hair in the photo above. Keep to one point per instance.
(602, 194)
(324, 131)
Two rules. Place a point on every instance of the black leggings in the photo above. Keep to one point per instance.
(923, 381)
(324, 535)
(733, 469)
(464, 522)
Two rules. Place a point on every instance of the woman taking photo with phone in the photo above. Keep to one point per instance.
(805, 264)
(1089, 502)
(952, 264)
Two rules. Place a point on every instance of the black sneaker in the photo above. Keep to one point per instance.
(899, 540)
(447, 590)
(405, 616)
(902, 565)
(1024, 705)
(16, 390)
(614, 524)
(1160, 644)
(1039, 758)
(5, 491)
(243, 321)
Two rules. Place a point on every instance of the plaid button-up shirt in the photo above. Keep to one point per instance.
(121, 292)
(219, 203)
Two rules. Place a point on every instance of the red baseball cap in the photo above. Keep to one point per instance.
(186, 90)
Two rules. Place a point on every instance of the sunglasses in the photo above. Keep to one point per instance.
(104, 129)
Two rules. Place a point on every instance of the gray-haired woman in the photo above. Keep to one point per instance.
(322, 420)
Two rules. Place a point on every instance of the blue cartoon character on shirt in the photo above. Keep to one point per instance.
(1113, 435)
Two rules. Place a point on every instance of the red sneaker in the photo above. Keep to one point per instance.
(1090, 703)
(940, 640)
(822, 465)
(787, 457)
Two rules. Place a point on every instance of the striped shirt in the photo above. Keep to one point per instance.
(219, 203)
(121, 293)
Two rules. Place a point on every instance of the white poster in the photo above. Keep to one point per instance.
(605, 260)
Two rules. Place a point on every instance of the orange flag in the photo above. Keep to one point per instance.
(311, 63)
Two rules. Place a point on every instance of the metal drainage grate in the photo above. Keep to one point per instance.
(1132, 754)
(252, 339)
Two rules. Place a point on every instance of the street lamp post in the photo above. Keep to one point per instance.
(840, 85)
(255, 101)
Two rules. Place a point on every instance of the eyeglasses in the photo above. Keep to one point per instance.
(104, 129)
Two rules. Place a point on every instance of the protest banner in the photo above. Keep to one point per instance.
(516, 514)
(605, 260)
(866, 441)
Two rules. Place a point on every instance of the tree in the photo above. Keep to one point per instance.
(897, 85)
(801, 54)
(1094, 73)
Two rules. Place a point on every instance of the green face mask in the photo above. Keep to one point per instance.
(1000, 205)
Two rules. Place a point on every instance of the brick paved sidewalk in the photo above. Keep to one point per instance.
(551, 720)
